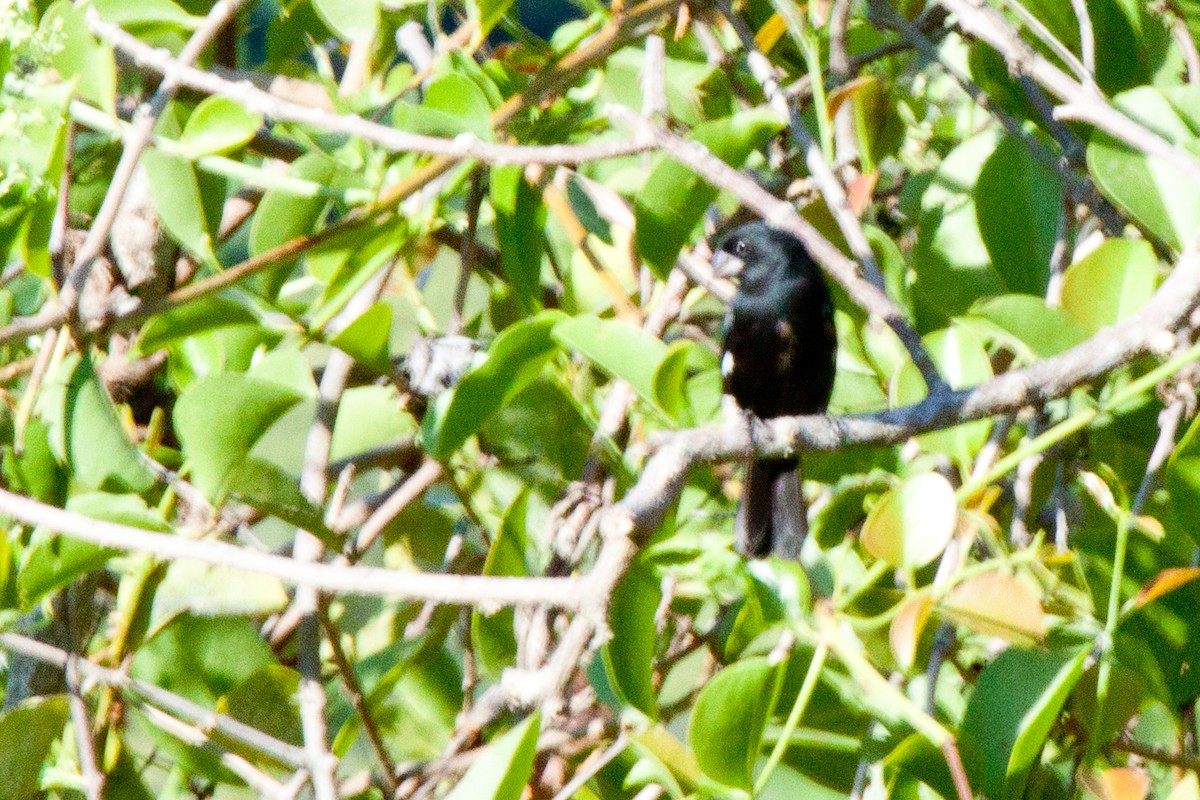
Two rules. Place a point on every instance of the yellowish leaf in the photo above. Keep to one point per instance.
(913, 522)
(905, 631)
(1166, 581)
(997, 604)
(844, 92)
(770, 33)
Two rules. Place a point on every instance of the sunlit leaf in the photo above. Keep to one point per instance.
(997, 604)
(913, 522)
(727, 722)
(904, 634)
(503, 769)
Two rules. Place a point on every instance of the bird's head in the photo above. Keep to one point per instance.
(754, 252)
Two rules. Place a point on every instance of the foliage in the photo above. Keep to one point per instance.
(1005, 602)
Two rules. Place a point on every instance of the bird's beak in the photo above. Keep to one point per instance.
(727, 265)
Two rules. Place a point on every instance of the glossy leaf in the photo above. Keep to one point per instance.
(26, 735)
(282, 216)
(267, 487)
(726, 728)
(1146, 187)
(351, 20)
(218, 125)
(913, 522)
(1026, 325)
(1018, 202)
(513, 361)
(178, 201)
(80, 56)
(219, 419)
(492, 632)
(503, 769)
(620, 348)
(192, 318)
(190, 586)
(1110, 283)
(952, 264)
(520, 218)
(53, 561)
(674, 198)
(366, 338)
(629, 655)
(87, 433)
(454, 104)
(134, 13)
(1010, 713)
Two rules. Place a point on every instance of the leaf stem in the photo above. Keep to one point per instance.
(789, 727)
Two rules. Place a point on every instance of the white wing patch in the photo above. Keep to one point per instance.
(727, 364)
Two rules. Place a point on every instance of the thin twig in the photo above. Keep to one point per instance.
(463, 146)
(412, 488)
(358, 699)
(93, 778)
(136, 139)
(240, 732)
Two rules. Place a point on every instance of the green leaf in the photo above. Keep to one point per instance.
(366, 338)
(1149, 188)
(54, 561)
(218, 125)
(674, 198)
(211, 591)
(267, 487)
(27, 733)
(180, 205)
(36, 471)
(491, 12)
(671, 379)
(503, 769)
(629, 655)
(1018, 202)
(513, 361)
(913, 522)
(952, 264)
(205, 314)
(281, 216)
(135, 13)
(453, 104)
(369, 417)
(87, 433)
(78, 54)
(1026, 325)
(218, 420)
(727, 724)
(520, 220)
(493, 634)
(1110, 283)
(268, 701)
(1015, 702)
(963, 361)
(620, 348)
(351, 20)
(192, 656)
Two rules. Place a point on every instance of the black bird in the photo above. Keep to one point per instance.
(779, 360)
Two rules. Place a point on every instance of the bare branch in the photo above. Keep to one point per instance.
(464, 146)
(180, 706)
(360, 580)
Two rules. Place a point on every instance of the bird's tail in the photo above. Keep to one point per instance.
(771, 515)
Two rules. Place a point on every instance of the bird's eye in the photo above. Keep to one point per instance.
(739, 248)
